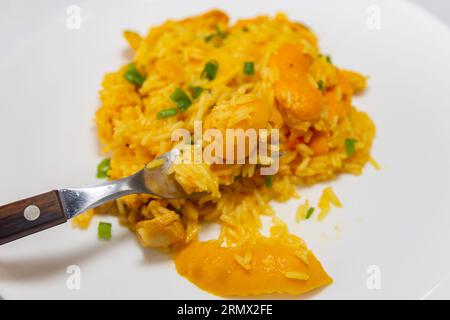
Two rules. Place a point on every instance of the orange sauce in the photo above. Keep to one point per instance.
(293, 90)
(215, 269)
(339, 98)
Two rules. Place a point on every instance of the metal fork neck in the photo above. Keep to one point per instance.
(78, 200)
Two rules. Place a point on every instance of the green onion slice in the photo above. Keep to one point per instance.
(309, 213)
(133, 76)
(103, 168)
(220, 33)
(249, 68)
(321, 85)
(166, 113)
(181, 99)
(350, 146)
(104, 230)
(268, 181)
(210, 70)
(209, 37)
(195, 91)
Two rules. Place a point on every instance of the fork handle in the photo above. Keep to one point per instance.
(31, 215)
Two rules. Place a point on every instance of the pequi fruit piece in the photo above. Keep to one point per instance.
(294, 91)
(265, 267)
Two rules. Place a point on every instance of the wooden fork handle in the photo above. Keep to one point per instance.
(31, 215)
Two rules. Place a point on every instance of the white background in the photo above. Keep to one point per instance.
(20, 19)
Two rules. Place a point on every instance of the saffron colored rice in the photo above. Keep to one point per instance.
(294, 88)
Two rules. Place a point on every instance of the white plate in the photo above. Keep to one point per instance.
(395, 219)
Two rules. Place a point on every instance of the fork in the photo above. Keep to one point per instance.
(40, 212)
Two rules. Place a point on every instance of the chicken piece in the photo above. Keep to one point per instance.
(163, 231)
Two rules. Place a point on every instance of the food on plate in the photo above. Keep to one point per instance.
(261, 73)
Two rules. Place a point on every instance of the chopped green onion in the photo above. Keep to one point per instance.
(321, 85)
(245, 29)
(327, 57)
(249, 68)
(181, 99)
(103, 168)
(309, 213)
(166, 113)
(133, 76)
(268, 181)
(350, 146)
(220, 33)
(209, 37)
(104, 230)
(195, 91)
(210, 70)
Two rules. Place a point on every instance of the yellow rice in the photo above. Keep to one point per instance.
(172, 55)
